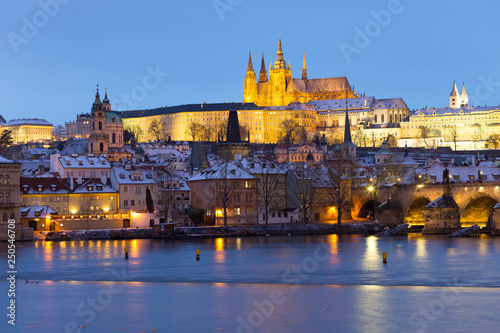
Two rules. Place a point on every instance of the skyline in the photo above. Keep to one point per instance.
(180, 53)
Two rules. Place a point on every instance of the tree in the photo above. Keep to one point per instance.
(360, 136)
(127, 135)
(340, 175)
(373, 138)
(391, 141)
(6, 138)
(244, 131)
(302, 179)
(222, 187)
(194, 130)
(453, 134)
(271, 179)
(136, 130)
(494, 140)
(149, 201)
(156, 129)
(423, 134)
(290, 131)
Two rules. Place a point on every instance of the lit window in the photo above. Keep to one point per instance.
(237, 211)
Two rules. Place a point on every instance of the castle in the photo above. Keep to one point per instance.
(281, 89)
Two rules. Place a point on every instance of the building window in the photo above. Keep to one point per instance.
(138, 190)
(248, 184)
(237, 211)
(125, 189)
(111, 197)
(125, 202)
(209, 212)
(132, 202)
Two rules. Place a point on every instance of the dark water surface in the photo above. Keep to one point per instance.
(261, 284)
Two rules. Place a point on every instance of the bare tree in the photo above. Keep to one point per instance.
(423, 134)
(156, 129)
(360, 136)
(340, 173)
(453, 134)
(373, 138)
(289, 131)
(136, 130)
(222, 187)
(305, 191)
(194, 130)
(271, 180)
(494, 140)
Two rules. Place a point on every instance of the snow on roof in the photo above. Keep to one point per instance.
(463, 173)
(465, 110)
(32, 121)
(222, 170)
(84, 162)
(139, 176)
(340, 104)
(36, 211)
(5, 160)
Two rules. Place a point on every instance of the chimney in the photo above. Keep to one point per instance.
(104, 179)
(80, 180)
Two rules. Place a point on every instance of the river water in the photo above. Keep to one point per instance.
(325, 283)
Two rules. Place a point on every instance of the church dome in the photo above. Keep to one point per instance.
(139, 151)
(113, 118)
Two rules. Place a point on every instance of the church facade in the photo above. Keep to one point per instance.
(279, 88)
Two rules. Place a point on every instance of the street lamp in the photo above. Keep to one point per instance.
(373, 189)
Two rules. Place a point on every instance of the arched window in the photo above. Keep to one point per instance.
(113, 138)
(100, 125)
(1, 197)
(390, 118)
(382, 118)
(7, 197)
(4, 218)
(400, 117)
(101, 146)
(93, 125)
(12, 216)
(375, 119)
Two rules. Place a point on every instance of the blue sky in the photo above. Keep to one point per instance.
(192, 51)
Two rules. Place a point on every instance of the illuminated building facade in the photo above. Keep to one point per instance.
(29, 130)
(281, 89)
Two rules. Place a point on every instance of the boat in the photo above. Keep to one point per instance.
(57, 236)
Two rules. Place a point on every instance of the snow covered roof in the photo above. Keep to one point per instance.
(222, 170)
(137, 177)
(94, 186)
(340, 104)
(36, 211)
(32, 121)
(444, 201)
(389, 103)
(96, 162)
(451, 111)
(5, 160)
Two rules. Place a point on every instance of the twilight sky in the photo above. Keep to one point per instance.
(155, 53)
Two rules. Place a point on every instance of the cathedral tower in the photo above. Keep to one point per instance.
(279, 77)
(250, 90)
(304, 69)
(263, 72)
(464, 99)
(454, 98)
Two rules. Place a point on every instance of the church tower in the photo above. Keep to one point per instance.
(304, 69)
(279, 77)
(464, 99)
(250, 90)
(454, 97)
(263, 72)
(98, 140)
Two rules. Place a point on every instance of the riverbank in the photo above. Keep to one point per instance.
(214, 232)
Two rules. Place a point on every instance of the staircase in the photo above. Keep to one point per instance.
(395, 230)
(465, 231)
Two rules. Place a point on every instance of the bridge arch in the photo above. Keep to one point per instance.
(414, 214)
(477, 211)
(367, 208)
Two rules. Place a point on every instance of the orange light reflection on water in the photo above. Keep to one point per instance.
(220, 254)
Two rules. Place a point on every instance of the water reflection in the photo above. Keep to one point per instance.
(371, 258)
(220, 254)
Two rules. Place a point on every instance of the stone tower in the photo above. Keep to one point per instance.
(304, 69)
(263, 72)
(233, 144)
(250, 90)
(98, 139)
(464, 99)
(279, 77)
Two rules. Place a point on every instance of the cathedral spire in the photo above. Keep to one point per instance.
(347, 129)
(105, 100)
(280, 62)
(454, 90)
(263, 72)
(250, 66)
(304, 69)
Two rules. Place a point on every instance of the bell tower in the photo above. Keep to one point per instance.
(279, 77)
(98, 139)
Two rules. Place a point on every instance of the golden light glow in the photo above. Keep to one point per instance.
(73, 211)
(370, 188)
(218, 213)
(420, 185)
(106, 209)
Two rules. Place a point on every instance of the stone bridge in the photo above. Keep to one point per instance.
(475, 200)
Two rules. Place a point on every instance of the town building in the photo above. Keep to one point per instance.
(9, 197)
(29, 130)
(80, 167)
(225, 186)
(79, 129)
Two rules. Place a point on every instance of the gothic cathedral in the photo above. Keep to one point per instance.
(281, 89)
